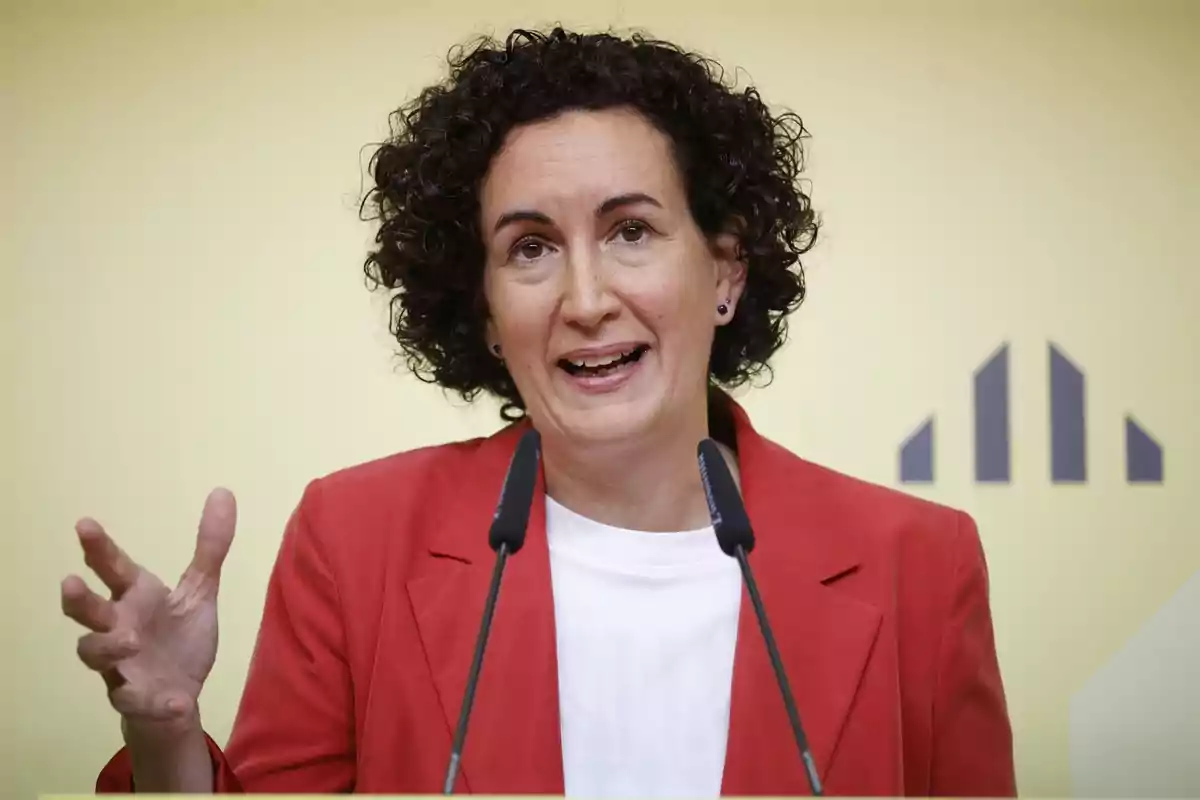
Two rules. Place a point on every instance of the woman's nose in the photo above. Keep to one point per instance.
(587, 296)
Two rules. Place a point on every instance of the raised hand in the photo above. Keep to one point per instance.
(154, 646)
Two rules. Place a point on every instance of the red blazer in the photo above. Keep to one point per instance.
(879, 602)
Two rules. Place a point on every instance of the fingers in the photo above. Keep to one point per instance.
(101, 554)
(86, 607)
(217, 524)
(103, 651)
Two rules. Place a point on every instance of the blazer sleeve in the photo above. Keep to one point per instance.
(294, 729)
(972, 736)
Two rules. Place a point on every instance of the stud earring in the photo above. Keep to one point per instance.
(723, 309)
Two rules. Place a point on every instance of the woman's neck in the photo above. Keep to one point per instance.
(652, 484)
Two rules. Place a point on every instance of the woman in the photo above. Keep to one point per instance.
(601, 234)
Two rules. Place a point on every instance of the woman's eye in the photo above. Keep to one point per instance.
(632, 232)
(529, 249)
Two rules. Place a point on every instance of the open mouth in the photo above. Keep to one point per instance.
(600, 366)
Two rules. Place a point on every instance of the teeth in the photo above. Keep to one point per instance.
(600, 361)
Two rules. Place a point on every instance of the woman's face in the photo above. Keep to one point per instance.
(603, 292)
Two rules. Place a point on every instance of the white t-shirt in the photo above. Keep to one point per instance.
(646, 627)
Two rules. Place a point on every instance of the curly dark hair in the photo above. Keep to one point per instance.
(739, 163)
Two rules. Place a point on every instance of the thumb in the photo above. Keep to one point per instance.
(217, 523)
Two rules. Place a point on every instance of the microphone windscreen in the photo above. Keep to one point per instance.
(516, 495)
(725, 507)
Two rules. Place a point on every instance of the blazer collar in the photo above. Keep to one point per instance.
(824, 636)
(513, 744)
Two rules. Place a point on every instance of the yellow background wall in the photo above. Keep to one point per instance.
(184, 307)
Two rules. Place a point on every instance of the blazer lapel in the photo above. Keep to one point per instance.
(824, 637)
(513, 741)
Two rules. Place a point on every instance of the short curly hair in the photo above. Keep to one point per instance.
(740, 167)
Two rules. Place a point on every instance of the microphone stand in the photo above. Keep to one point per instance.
(489, 608)
(760, 611)
(735, 536)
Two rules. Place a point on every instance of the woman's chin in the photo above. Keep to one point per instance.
(615, 429)
(608, 423)
(610, 409)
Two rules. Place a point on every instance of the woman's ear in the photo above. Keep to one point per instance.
(491, 339)
(731, 275)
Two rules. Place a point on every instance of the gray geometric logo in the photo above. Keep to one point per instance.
(1067, 421)
(993, 458)
(1143, 455)
(1068, 439)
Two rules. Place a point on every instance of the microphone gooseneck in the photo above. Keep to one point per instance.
(736, 539)
(506, 536)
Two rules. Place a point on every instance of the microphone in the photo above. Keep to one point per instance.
(736, 538)
(505, 536)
